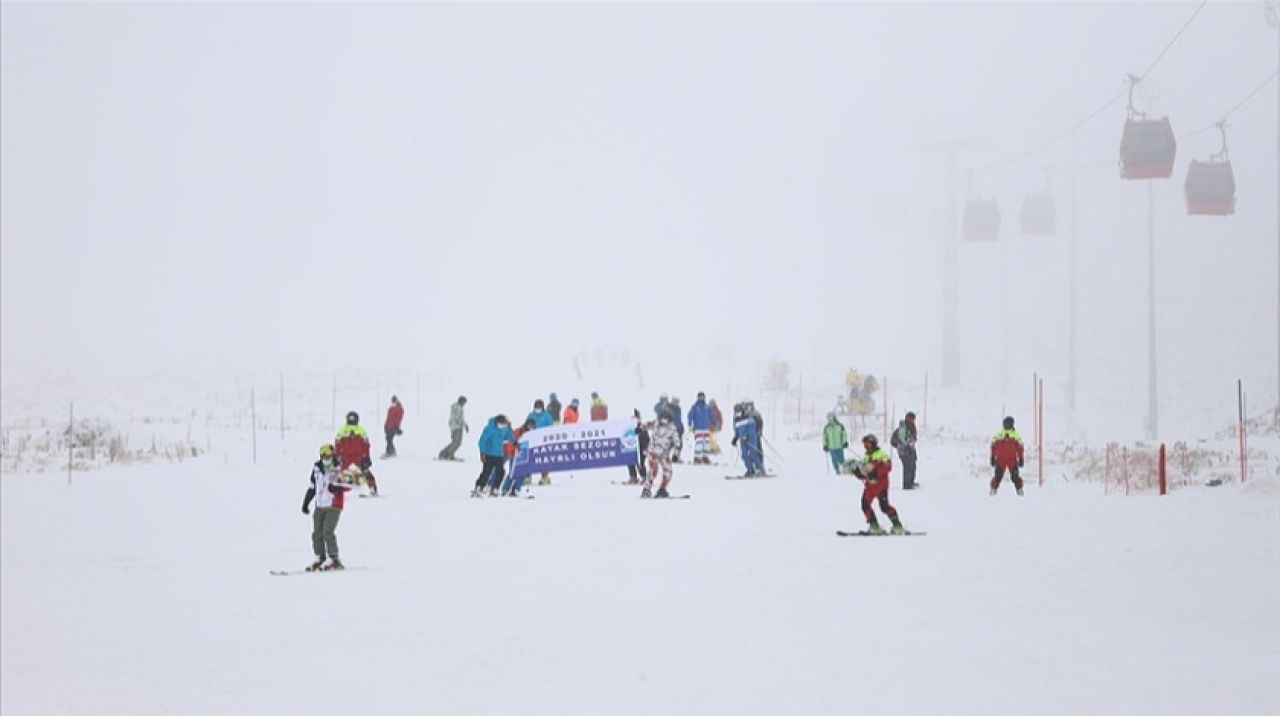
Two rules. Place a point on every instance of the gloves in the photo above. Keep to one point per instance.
(993, 461)
(306, 509)
(366, 463)
(826, 449)
(306, 500)
(845, 446)
(466, 428)
(1019, 462)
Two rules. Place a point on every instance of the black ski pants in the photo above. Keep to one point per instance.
(1013, 475)
(908, 457)
(491, 471)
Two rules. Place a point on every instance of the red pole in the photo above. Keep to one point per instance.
(1164, 485)
(1040, 430)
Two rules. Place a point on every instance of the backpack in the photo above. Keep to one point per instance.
(894, 441)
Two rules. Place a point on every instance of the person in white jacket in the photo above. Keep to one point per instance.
(329, 495)
(457, 426)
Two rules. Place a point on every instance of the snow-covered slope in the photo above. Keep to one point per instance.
(145, 589)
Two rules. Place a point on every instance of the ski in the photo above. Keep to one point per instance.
(865, 533)
(750, 477)
(668, 497)
(292, 572)
(448, 459)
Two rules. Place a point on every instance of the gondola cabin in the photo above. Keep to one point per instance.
(981, 220)
(1038, 215)
(1147, 149)
(1210, 189)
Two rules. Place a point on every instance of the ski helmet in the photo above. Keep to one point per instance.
(1008, 422)
(353, 418)
(326, 451)
(870, 441)
(462, 400)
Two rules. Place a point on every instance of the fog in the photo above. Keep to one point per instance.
(489, 191)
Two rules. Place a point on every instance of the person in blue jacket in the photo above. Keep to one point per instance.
(744, 436)
(700, 424)
(541, 418)
(496, 432)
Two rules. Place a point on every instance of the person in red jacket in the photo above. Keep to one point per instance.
(599, 411)
(395, 415)
(874, 473)
(570, 413)
(352, 445)
(1006, 454)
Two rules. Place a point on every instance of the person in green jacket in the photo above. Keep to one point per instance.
(834, 441)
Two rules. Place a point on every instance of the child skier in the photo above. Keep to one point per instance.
(1006, 454)
(328, 495)
(746, 439)
(834, 441)
(352, 445)
(874, 473)
(661, 443)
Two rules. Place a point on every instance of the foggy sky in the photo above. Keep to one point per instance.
(459, 186)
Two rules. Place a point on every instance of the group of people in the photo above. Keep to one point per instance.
(346, 461)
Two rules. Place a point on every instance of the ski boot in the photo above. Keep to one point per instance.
(897, 528)
(317, 565)
(1019, 492)
(545, 480)
(875, 529)
(646, 493)
(334, 564)
(993, 492)
(493, 492)
(662, 492)
(477, 492)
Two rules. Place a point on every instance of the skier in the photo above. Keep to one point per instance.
(744, 437)
(874, 473)
(324, 522)
(1006, 454)
(553, 408)
(541, 418)
(834, 441)
(457, 426)
(642, 435)
(661, 443)
(662, 406)
(700, 424)
(395, 415)
(512, 485)
(717, 424)
(495, 434)
(904, 439)
(599, 411)
(678, 421)
(750, 409)
(352, 444)
(571, 412)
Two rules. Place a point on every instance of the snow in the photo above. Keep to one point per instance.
(144, 589)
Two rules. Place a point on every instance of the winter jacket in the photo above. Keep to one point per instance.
(663, 439)
(834, 436)
(642, 434)
(676, 418)
(457, 421)
(877, 463)
(541, 418)
(492, 438)
(717, 418)
(599, 411)
(662, 407)
(744, 428)
(904, 438)
(553, 408)
(1006, 448)
(352, 446)
(509, 447)
(700, 416)
(323, 488)
(570, 415)
(395, 414)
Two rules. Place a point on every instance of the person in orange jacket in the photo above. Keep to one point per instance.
(570, 415)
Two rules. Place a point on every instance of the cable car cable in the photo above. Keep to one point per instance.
(1231, 111)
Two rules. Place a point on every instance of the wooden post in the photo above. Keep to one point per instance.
(1164, 485)
(1240, 424)
(1040, 430)
(71, 440)
(253, 418)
